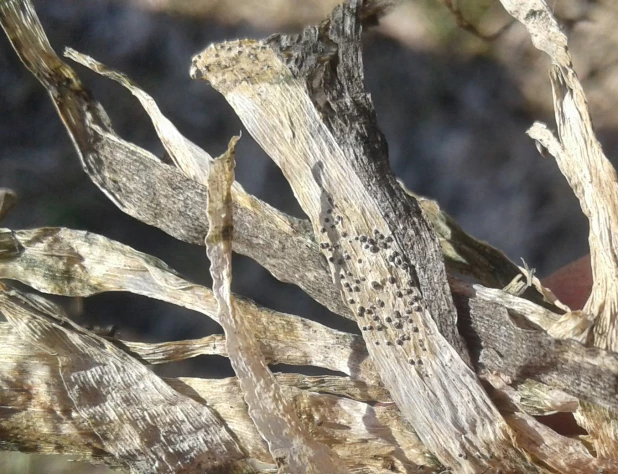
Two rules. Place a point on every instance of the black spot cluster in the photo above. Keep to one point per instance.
(398, 324)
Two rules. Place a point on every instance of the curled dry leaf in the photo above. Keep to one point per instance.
(291, 445)
(594, 181)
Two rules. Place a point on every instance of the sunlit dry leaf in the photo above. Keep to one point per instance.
(594, 181)
(303, 100)
(39, 416)
(292, 447)
(75, 263)
(143, 422)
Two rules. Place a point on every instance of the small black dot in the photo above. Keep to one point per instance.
(331, 259)
(398, 261)
(380, 303)
(389, 343)
(376, 285)
(370, 327)
(397, 314)
(332, 226)
(376, 231)
(342, 276)
(360, 260)
(388, 319)
(389, 239)
(356, 238)
(376, 317)
(380, 327)
(357, 281)
(322, 230)
(382, 245)
(329, 211)
(415, 329)
(408, 310)
(390, 258)
(349, 274)
(371, 241)
(411, 361)
(405, 266)
(420, 362)
(356, 288)
(326, 219)
(397, 325)
(369, 311)
(361, 310)
(347, 257)
(364, 328)
(399, 342)
(346, 285)
(374, 249)
(344, 234)
(363, 238)
(351, 301)
(392, 280)
(399, 294)
(363, 279)
(377, 342)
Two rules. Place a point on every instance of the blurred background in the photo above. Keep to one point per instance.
(454, 107)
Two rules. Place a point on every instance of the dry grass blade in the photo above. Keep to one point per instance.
(293, 448)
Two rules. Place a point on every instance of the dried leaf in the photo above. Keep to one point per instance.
(292, 447)
(302, 99)
(594, 181)
(147, 425)
(76, 263)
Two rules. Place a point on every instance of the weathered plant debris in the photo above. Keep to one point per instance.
(302, 98)
(42, 418)
(305, 103)
(75, 263)
(139, 419)
(594, 181)
(291, 445)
